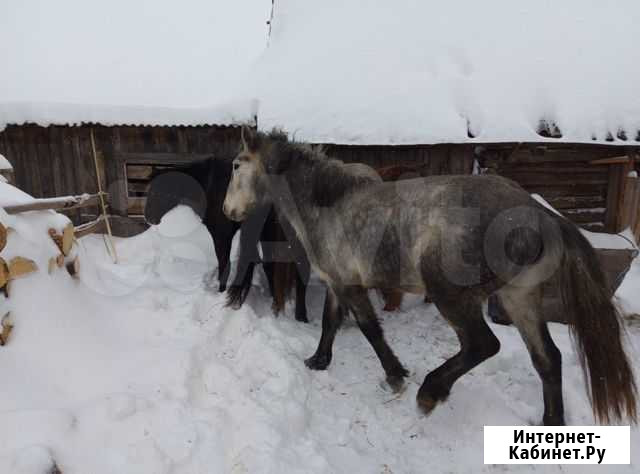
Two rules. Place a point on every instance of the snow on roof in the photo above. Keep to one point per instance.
(427, 71)
(121, 62)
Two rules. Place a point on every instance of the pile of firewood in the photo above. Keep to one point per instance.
(20, 266)
(64, 243)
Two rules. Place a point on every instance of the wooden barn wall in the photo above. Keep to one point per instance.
(437, 159)
(57, 160)
(563, 175)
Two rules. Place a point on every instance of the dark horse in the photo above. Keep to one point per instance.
(202, 186)
(462, 237)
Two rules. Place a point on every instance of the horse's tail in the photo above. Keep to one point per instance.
(596, 326)
(284, 280)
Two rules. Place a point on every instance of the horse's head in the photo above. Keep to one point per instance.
(170, 189)
(247, 188)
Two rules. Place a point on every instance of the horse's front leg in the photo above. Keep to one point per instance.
(247, 259)
(357, 300)
(332, 316)
(222, 240)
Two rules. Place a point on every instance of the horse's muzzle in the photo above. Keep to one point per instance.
(232, 214)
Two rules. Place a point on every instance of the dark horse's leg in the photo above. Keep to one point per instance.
(332, 316)
(357, 300)
(524, 311)
(222, 239)
(247, 259)
(477, 343)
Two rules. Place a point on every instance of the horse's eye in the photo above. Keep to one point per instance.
(236, 166)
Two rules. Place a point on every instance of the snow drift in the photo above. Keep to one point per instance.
(139, 368)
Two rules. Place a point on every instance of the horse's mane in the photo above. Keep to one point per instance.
(329, 178)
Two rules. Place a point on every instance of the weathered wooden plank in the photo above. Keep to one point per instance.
(549, 179)
(593, 227)
(580, 216)
(117, 168)
(615, 160)
(629, 203)
(160, 158)
(576, 202)
(45, 165)
(182, 142)
(139, 171)
(137, 187)
(58, 203)
(57, 167)
(30, 155)
(528, 154)
(613, 197)
(12, 153)
(101, 136)
(97, 225)
(558, 168)
(136, 206)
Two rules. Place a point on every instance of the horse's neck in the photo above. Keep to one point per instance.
(296, 206)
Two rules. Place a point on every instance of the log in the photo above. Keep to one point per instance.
(4, 273)
(57, 238)
(90, 227)
(615, 160)
(3, 236)
(61, 203)
(64, 241)
(20, 266)
(54, 262)
(67, 238)
(6, 324)
(52, 265)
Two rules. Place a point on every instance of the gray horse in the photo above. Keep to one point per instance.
(462, 237)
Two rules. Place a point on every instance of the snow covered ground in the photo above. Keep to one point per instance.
(138, 368)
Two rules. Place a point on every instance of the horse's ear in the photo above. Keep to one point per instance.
(250, 138)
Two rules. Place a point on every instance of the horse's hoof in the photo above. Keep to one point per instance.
(426, 404)
(302, 318)
(318, 362)
(396, 383)
(553, 421)
(222, 288)
(390, 307)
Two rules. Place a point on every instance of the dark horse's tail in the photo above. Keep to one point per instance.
(596, 326)
(284, 280)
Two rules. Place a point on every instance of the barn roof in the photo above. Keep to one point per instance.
(147, 62)
(427, 71)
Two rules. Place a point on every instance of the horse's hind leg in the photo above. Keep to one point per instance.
(525, 312)
(357, 300)
(477, 343)
(302, 279)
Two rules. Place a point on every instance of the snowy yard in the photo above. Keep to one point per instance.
(138, 368)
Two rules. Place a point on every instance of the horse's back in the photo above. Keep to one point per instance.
(399, 224)
(363, 171)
